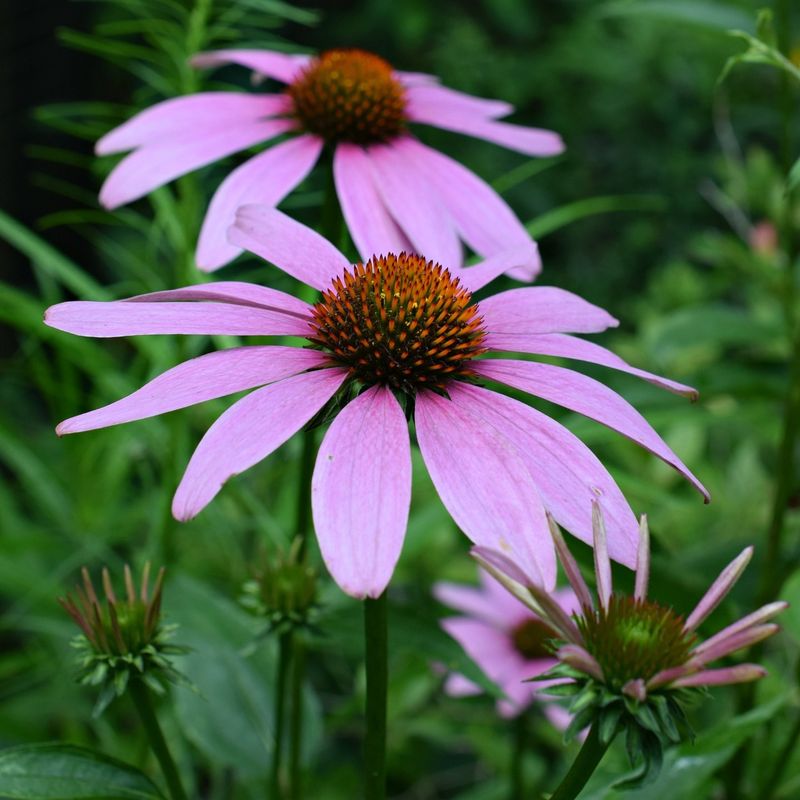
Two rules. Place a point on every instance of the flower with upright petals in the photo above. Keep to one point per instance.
(397, 330)
(631, 662)
(506, 640)
(396, 193)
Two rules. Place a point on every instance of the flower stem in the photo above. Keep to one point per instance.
(589, 756)
(520, 737)
(143, 702)
(284, 657)
(376, 649)
(296, 742)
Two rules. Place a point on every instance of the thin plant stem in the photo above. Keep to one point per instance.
(377, 667)
(143, 702)
(589, 756)
(284, 657)
(296, 741)
(770, 786)
(520, 738)
(303, 515)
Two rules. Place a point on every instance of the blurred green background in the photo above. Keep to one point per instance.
(665, 209)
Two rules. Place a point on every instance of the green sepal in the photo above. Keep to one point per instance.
(608, 722)
(578, 722)
(668, 727)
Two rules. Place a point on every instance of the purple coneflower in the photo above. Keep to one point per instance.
(395, 338)
(396, 193)
(630, 663)
(508, 641)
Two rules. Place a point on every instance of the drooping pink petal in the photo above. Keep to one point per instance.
(642, 560)
(508, 573)
(288, 244)
(421, 217)
(517, 686)
(571, 568)
(568, 476)
(123, 318)
(578, 657)
(154, 165)
(505, 513)
(741, 673)
(265, 179)
(736, 641)
(758, 617)
(280, 66)
(234, 292)
(248, 432)
(186, 116)
(588, 397)
(361, 492)
(488, 647)
(204, 378)
(370, 224)
(719, 589)
(483, 219)
(564, 346)
(602, 565)
(507, 261)
(429, 100)
(532, 310)
(452, 117)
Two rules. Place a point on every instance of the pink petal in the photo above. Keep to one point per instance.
(483, 219)
(642, 560)
(478, 275)
(530, 141)
(636, 689)
(154, 165)
(758, 617)
(494, 606)
(520, 313)
(568, 476)
(200, 379)
(361, 492)
(578, 657)
(185, 116)
(370, 224)
(123, 318)
(737, 641)
(460, 450)
(719, 589)
(585, 396)
(563, 346)
(290, 245)
(602, 565)
(248, 432)
(741, 673)
(429, 100)
(265, 179)
(489, 648)
(281, 66)
(409, 79)
(234, 292)
(457, 685)
(583, 597)
(421, 217)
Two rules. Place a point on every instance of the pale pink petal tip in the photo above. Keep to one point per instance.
(758, 617)
(486, 557)
(642, 560)
(602, 563)
(636, 689)
(741, 673)
(719, 589)
(571, 567)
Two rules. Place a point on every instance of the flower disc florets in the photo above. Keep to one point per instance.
(123, 638)
(351, 96)
(634, 639)
(401, 321)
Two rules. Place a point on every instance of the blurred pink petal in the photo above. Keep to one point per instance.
(428, 100)
(265, 179)
(371, 226)
(585, 396)
(504, 513)
(291, 246)
(564, 346)
(184, 116)
(248, 432)
(361, 492)
(281, 66)
(540, 309)
(567, 475)
(197, 380)
(125, 318)
(154, 165)
(491, 605)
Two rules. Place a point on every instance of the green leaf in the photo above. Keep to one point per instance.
(793, 178)
(66, 772)
(572, 212)
(701, 13)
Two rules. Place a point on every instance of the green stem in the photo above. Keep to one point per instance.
(284, 657)
(140, 695)
(770, 786)
(296, 742)
(376, 650)
(303, 517)
(589, 756)
(520, 736)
